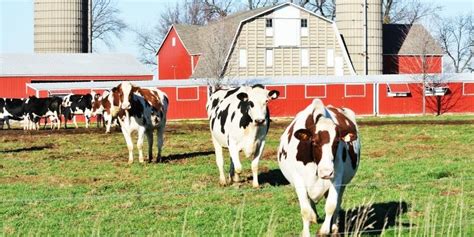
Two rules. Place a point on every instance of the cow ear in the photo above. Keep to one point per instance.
(273, 94)
(114, 89)
(349, 137)
(243, 96)
(135, 89)
(303, 134)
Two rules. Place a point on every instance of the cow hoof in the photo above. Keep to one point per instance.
(256, 186)
(130, 162)
(222, 182)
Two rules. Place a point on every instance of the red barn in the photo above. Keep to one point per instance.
(410, 49)
(17, 70)
(177, 55)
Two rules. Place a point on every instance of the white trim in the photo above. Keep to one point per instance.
(306, 91)
(166, 36)
(397, 94)
(181, 87)
(355, 84)
(284, 86)
(164, 39)
(345, 54)
(463, 84)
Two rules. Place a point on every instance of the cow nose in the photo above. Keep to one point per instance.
(259, 121)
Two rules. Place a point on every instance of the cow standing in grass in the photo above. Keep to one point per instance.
(239, 120)
(11, 109)
(102, 105)
(37, 108)
(319, 154)
(77, 104)
(142, 110)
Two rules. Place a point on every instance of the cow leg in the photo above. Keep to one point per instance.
(329, 208)
(335, 218)
(149, 136)
(128, 139)
(108, 122)
(88, 118)
(234, 155)
(161, 131)
(255, 161)
(307, 213)
(141, 134)
(7, 121)
(74, 121)
(219, 161)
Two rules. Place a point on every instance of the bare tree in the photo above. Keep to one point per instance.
(407, 12)
(455, 35)
(106, 23)
(149, 39)
(254, 4)
(215, 42)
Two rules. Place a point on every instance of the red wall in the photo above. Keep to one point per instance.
(395, 64)
(174, 62)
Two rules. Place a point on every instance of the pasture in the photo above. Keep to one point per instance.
(415, 178)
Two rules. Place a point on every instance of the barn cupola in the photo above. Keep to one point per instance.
(360, 23)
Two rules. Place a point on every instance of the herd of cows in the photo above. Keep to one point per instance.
(319, 151)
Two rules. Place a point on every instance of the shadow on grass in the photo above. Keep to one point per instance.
(33, 148)
(273, 177)
(182, 156)
(379, 216)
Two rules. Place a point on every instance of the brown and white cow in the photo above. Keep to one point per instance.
(319, 154)
(102, 105)
(142, 110)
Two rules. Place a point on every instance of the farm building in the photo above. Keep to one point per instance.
(287, 40)
(366, 95)
(17, 70)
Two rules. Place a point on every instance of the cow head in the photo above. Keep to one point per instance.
(323, 136)
(96, 103)
(254, 102)
(122, 94)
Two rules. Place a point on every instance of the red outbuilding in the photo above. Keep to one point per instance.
(17, 70)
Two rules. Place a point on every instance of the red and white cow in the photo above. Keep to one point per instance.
(319, 154)
(239, 120)
(142, 110)
(102, 105)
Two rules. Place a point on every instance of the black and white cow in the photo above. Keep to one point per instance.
(37, 108)
(239, 120)
(142, 110)
(77, 104)
(319, 154)
(11, 109)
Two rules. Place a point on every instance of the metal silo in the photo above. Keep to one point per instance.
(360, 22)
(61, 26)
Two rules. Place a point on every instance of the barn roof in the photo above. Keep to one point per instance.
(404, 39)
(57, 64)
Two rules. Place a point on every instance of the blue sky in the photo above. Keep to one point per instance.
(16, 22)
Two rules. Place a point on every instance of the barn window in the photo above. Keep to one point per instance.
(269, 23)
(187, 93)
(304, 57)
(398, 90)
(354, 90)
(243, 58)
(304, 27)
(173, 41)
(468, 88)
(269, 57)
(269, 27)
(436, 90)
(330, 58)
(315, 91)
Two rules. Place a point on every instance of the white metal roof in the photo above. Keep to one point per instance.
(292, 80)
(79, 64)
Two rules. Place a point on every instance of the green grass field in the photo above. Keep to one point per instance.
(416, 178)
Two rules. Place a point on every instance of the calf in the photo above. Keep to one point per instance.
(77, 104)
(37, 108)
(319, 154)
(239, 120)
(142, 110)
(11, 109)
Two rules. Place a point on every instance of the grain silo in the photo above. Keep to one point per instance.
(360, 23)
(62, 26)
